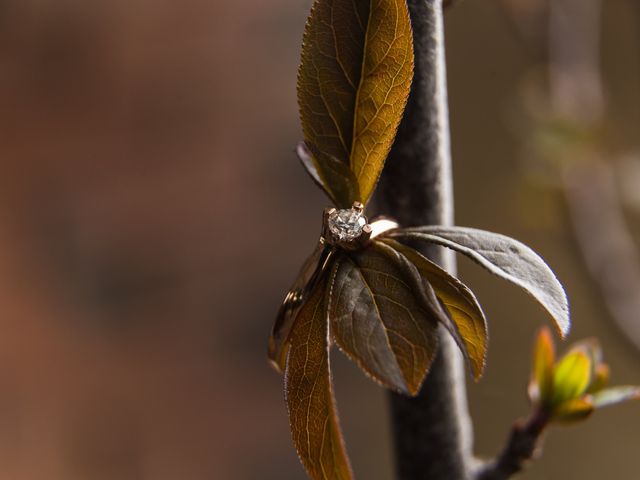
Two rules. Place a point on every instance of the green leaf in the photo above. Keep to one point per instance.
(309, 394)
(460, 303)
(541, 386)
(615, 395)
(505, 257)
(571, 377)
(572, 411)
(379, 322)
(353, 83)
(599, 371)
(309, 275)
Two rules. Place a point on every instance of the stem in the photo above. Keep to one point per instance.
(432, 432)
(601, 231)
(574, 61)
(521, 447)
(607, 245)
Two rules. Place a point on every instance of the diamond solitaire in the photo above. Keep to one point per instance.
(346, 225)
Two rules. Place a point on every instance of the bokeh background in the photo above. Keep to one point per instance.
(152, 216)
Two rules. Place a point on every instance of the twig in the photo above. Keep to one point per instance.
(574, 57)
(609, 251)
(432, 431)
(601, 231)
(521, 447)
(604, 239)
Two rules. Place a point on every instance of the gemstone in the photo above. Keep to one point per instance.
(346, 225)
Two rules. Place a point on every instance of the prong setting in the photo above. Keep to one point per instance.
(346, 228)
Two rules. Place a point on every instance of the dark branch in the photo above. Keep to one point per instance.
(432, 431)
(521, 446)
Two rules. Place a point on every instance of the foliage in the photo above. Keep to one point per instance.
(377, 298)
(353, 85)
(572, 387)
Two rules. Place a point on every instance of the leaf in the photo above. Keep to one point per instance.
(387, 73)
(541, 386)
(339, 184)
(590, 346)
(353, 83)
(460, 303)
(615, 395)
(307, 278)
(600, 378)
(571, 377)
(505, 257)
(381, 225)
(377, 320)
(599, 371)
(572, 411)
(309, 396)
(304, 155)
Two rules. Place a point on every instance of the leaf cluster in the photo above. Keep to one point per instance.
(571, 388)
(381, 305)
(378, 300)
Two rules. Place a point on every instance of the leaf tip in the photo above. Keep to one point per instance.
(563, 320)
(478, 366)
(477, 376)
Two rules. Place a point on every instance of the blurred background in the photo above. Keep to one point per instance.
(152, 216)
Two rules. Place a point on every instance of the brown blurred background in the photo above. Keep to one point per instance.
(152, 216)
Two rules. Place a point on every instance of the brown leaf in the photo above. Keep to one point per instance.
(338, 181)
(309, 396)
(387, 73)
(379, 320)
(307, 278)
(504, 257)
(353, 83)
(460, 303)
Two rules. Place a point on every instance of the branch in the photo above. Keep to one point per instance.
(433, 430)
(601, 231)
(521, 446)
(605, 242)
(575, 82)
